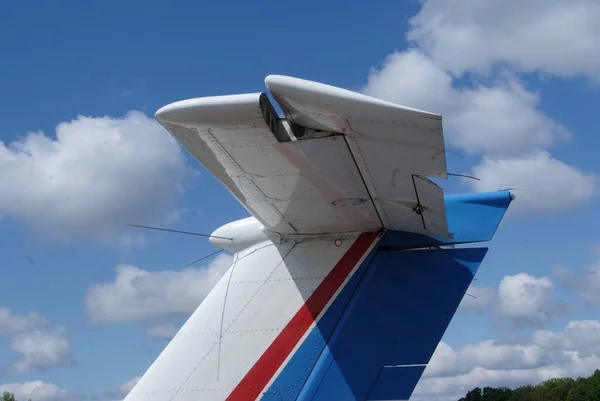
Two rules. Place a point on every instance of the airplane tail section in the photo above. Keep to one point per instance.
(351, 319)
(340, 287)
(399, 309)
(472, 218)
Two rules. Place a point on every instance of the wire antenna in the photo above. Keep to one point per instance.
(524, 190)
(202, 258)
(178, 231)
(464, 175)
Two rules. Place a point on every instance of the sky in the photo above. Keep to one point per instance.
(87, 303)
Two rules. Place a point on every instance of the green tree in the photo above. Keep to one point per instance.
(8, 396)
(523, 393)
(496, 394)
(558, 389)
(473, 395)
(564, 389)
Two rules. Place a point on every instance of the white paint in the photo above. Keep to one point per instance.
(359, 181)
(263, 291)
(243, 234)
(389, 142)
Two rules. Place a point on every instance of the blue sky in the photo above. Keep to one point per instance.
(82, 157)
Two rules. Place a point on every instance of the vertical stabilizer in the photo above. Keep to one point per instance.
(338, 289)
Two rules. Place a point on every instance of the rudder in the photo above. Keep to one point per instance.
(401, 304)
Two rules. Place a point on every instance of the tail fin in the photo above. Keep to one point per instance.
(352, 319)
(334, 292)
(387, 333)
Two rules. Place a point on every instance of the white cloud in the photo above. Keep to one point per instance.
(503, 119)
(587, 285)
(526, 299)
(128, 385)
(569, 353)
(561, 186)
(496, 119)
(36, 390)
(478, 299)
(41, 350)
(486, 354)
(552, 36)
(162, 332)
(137, 294)
(520, 301)
(582, 336)
(97, 175)
(410, 78)
(11, 323)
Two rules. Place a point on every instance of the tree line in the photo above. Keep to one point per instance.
(6, 396)
(581, 389)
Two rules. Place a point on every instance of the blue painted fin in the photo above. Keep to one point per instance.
(375, 340)
(472, 217)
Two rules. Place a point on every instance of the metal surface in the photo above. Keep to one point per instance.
(357, 176)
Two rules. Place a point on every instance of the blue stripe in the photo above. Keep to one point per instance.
(392, 312)
(293, 377)
(397, 317)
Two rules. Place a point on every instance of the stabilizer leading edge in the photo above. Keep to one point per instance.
(338, 288)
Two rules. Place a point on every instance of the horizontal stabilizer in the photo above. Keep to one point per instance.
(341, 162)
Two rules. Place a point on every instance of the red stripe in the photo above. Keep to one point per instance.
(250, 387)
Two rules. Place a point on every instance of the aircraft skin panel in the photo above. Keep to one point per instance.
(364, 176)
(394, 145)
(398, 316)
(289, 187)
(401, 304)
(289, 338)
(284, 320)
(252, 320)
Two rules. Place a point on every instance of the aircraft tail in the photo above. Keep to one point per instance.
(400, 305)
(340, 287)
(351, 319)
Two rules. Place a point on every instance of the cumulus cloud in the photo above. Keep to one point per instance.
(519, 301)
(503, 119)
(528, 300)
(502, 122)
(162, 331)
(496, 115)
(36, 390)
(95, 176)
(11, 323)
(412, 79)
(495, 119)
(41, 350)
(586, 285)
(572, 352)
(137, 294)
(560, 185)
(549, 36)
